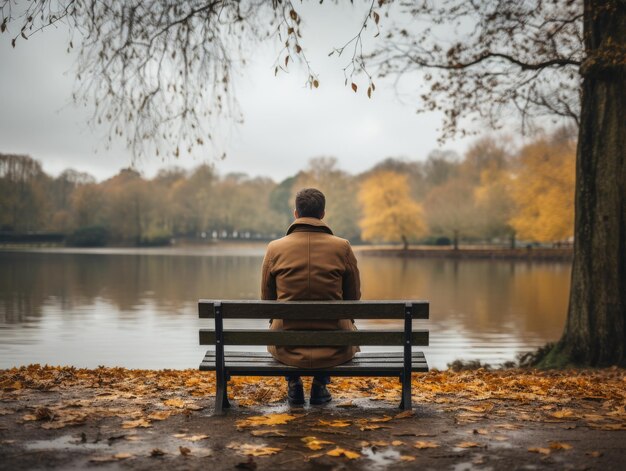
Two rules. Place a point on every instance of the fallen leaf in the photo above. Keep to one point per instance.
(178, 403)
(480, 431)
(157, 452)
(346, 405)
(407, 458)
(425, 444)
(352, 455)
(594, 454)
(136, 423)
(250, 449)
(404, 415)
(262, 420)
(560, 446)
(184, 450)
(196, 438)
(315, 444)
(335, 423)
(160, 415)
(536, 449)
(110, 458)
(564, 414)
(397, 443)
(469, 445)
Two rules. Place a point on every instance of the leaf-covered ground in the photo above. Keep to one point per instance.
(141, 419)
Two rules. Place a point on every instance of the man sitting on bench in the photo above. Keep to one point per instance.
(310, 264)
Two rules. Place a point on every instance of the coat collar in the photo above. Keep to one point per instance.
(309, 225)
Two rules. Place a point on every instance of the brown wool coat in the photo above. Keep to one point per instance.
(310, 264)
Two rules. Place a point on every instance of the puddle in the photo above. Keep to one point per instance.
(65, 442)
(471, 465)
(381, 457)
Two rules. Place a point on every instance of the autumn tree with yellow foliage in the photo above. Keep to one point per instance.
(389, 212)
(543, 190)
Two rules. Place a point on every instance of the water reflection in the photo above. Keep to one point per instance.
(137, 308)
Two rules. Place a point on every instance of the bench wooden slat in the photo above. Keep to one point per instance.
(253, 309)
(390, 354)
(271, 367)
(317, 338)
(360, 358)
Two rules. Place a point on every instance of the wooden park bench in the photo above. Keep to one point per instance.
(253, 363)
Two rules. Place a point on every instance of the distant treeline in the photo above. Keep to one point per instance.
(493, 193)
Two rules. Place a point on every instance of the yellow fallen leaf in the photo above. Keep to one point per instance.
(315, 444)
(249, 449)
(469, 445)
(560, 446)
(594, 454)
(405, 414)
(160, 415)
(346, 405)
(425, 444)
(136, 423)
(536, 449)
(397, 443)
(365, 427)
(564, 414)
(381, 419)
(335, 423)
(110, 458)
(352, 455)
(178, 403)
(480, 431)
(196, 438)
(407, 458)
(262, 420)
(379, 443)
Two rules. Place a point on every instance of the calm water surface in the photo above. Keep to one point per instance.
(137, 308)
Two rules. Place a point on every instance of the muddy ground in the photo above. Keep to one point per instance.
(63, 418)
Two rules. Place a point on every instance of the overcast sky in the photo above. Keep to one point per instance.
(285, 123)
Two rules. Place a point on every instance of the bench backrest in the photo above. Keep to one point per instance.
(314, 310)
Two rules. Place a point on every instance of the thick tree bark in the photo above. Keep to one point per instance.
(405, 243)
(595, 333)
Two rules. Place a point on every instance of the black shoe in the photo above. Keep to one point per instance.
(295, 393)
(319, 394)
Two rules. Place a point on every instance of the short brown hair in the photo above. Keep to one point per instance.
(310, 203)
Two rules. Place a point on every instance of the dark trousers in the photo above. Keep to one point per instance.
(321, 379)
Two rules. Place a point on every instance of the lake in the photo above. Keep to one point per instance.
(137, 307)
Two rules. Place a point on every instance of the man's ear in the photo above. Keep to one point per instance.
(323, 214)
(295, 214)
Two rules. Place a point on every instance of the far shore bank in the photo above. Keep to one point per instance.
(469, 252)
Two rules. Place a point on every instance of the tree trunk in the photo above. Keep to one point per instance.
(405, 243)
(512, 240)
(595, 332)
(455, 240)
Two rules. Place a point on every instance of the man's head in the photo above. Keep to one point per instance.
(310, 203)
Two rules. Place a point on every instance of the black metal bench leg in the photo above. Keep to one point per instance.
(221, 396)
(405, 404)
